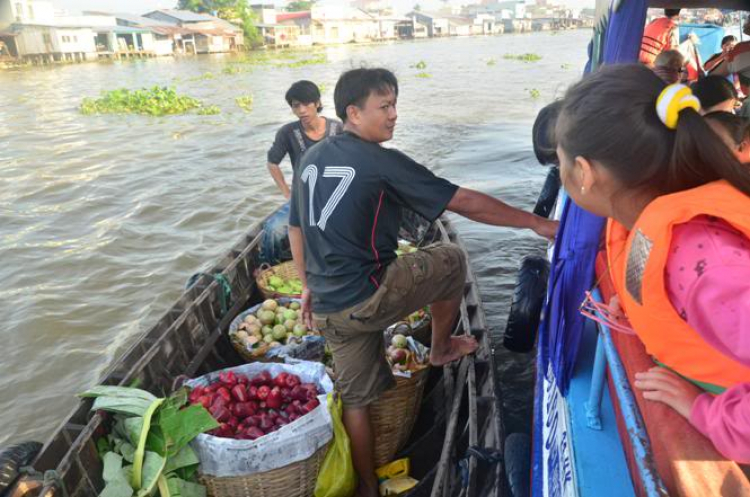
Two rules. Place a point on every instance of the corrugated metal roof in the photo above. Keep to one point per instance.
(284, 16)
(184, 15)
(120, 29)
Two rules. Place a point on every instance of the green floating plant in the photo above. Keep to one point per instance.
(526, 57)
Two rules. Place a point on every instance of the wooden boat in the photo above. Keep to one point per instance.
(600, 436)
(461, 409)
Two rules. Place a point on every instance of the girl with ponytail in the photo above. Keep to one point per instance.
(678, 239)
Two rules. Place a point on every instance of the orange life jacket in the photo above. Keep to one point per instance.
(637, 260)
(656, 39)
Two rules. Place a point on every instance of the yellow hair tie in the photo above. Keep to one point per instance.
(672, 100)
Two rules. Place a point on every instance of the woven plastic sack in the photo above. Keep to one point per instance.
(294, 442)
(337, 477)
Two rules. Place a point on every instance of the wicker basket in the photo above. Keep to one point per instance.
(284, 270)
(295, 480)
(258, 354)
(394, 413)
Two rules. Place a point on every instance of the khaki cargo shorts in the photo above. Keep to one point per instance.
(355, 335)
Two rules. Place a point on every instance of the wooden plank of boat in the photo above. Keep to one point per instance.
(187, 340)
(686, 460)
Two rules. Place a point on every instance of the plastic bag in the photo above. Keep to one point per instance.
(337, 477)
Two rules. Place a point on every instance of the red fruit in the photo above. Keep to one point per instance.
(262, 406)
(233, 422)
(211, 388)
(254, 432)
(217, 401)
(295, 407)
(252, 421)
(286, 394)
(195, 394)
(205, 401)
(229, 379)
(264, 378)
(281, 422)
(252, 392)
(220, 414)
(224, 430)
(310, 405)
(274, 399)
(298, 393)
(224, 392)
(243, 409)
(293, 417)
(284, 414)
(263, 392)
(241, 378)
(265, 423)
(292, 380)
(239, 392)
(280, 380)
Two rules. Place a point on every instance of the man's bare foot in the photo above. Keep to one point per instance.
(459, 347)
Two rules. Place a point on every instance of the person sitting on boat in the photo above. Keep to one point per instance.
(715, 93)
(296, 137)
(659, 35)
(670, 66)
(347, 201)
(727, 44)
(678, 239)
(734, 131)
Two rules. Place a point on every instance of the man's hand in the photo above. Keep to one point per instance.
(661, 385)
(306, 308)
(547, 228)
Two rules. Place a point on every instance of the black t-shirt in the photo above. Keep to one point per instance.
(291, 139)
(347, 199)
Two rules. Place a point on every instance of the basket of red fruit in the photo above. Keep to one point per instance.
(274, 432)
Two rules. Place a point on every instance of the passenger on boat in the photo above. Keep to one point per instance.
(296, 137)
(670, 66)
(715, 93)
(727, 44)
(346, 210)
(659, 35)
(678, 239)
(734, 131)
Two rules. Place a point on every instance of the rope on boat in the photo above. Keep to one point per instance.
(50, 478)
(225, 296)
(488, 456)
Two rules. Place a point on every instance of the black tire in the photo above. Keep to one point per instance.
(526, 309)
(548, 196)
(13, 459)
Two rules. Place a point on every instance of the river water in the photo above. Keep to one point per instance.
(103, 218)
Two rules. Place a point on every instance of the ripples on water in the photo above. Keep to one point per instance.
(103, 218)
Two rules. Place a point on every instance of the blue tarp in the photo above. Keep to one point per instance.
(710, 37)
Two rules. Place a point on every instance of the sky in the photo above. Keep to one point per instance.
(143, 6)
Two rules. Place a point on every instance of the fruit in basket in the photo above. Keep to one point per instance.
(398, 355)
(250, 319)
(275, 281)
(295, 306)
(267, 317)
(399, 341)
(299, 330)
(290, 314)
(270, 305)
(289, 325)
(279, 332)
(268, 338)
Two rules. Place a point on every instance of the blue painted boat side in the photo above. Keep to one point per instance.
(600, 464)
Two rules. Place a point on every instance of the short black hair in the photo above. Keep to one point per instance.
(713, 90)
(728, 39)
(354, 86)
(543, 134)
(304, 92)
(672, 12)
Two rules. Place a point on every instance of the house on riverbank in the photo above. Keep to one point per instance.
(210, 34)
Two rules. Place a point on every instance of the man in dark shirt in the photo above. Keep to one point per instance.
(347, 198)
(296, 137)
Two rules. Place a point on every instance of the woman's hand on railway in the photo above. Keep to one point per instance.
(306, 308)
(661, 385)
(546, 228)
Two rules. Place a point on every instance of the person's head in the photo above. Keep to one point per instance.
(672, 13)
(543, 134)
(366, 103)
(728, 43)
(615, 149)
(670, 66)
(304, 99)
(734, 131)
(716, 93)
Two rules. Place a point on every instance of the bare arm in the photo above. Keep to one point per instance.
(485, 209)
(278, 177)
(297, 244)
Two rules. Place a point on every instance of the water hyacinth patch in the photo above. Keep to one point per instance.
(245, 103)
(156, 101)
(423, 75)
(526, 57)
(420, 65)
